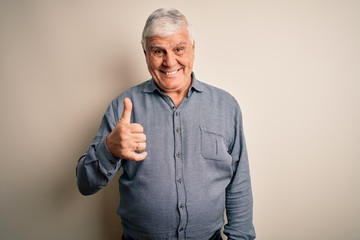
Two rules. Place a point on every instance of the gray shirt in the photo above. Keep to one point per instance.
(197, 165)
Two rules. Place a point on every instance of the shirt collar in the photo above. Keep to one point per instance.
(196, 85)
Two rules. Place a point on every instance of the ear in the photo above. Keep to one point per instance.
(143, 48)
(146, 56)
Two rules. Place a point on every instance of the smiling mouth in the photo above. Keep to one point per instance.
(170, 72)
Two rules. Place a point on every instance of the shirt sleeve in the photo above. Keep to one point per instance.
(239, 200)
(97, 166)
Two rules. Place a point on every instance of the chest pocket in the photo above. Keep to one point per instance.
(213, 145)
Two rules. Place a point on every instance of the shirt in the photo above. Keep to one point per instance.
(197, 165)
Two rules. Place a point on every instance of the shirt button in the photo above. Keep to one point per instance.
(178, 155)
(182, 206)
(176, 114)
(179, 180)
(177, 129)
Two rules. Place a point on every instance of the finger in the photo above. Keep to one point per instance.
(126, 115)
(140, 146)
(136, 128)
(134, 156)
(138, 137)
(135, 146)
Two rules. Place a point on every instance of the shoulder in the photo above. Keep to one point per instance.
(218, 94)
(134, 91)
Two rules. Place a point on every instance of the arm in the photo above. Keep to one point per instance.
(97, 166)
(115, 140)
(239, 200)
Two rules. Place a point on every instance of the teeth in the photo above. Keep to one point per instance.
(170, 73)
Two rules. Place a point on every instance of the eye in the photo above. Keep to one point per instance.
(158, 52)
(179, 50)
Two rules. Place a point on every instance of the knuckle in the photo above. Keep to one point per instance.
(122, 128)
(138, 127)
(123, 145)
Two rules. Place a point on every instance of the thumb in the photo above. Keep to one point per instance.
(126, 115)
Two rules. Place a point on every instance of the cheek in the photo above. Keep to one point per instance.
(154, 63)
(189, 61)
(189, 58)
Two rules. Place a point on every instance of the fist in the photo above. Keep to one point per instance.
(127, 140)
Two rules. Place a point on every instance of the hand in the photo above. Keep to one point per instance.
(127, 140)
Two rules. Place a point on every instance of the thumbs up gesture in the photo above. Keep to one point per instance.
(127, 140)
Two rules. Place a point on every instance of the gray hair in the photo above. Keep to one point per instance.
(165, 22)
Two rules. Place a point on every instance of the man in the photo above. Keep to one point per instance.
(180, 143)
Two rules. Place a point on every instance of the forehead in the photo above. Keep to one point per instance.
(178, 38)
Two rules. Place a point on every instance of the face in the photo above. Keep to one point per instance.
(170, 61)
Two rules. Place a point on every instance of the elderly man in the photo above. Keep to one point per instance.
(180, 143)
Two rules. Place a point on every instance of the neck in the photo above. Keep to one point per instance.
(177, 97)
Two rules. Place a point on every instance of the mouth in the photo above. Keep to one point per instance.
(169, 73)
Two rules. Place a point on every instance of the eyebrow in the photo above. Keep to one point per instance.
(158, 46)
(181, 43)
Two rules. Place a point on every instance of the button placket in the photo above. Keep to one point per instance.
(181, 195)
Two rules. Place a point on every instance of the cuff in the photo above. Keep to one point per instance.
(106, 159)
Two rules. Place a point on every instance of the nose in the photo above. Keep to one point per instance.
(169, 59)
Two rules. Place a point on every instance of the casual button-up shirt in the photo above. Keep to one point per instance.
(197, 165)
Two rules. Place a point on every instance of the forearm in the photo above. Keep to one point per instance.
(240, 217)
(95, 169)
(239, 206)
(97, 166)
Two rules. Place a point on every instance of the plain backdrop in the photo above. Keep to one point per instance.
(294, 67)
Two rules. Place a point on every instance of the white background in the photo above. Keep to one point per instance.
(294, 67)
